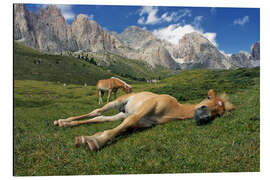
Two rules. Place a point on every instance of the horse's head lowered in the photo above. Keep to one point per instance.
(212, 107)
(127, 88)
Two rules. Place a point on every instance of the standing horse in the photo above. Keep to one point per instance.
(111, 85)
(146, 109)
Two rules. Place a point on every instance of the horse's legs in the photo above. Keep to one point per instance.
(99, 139)
(109, 95)
(97, 119)
(97, 112)
(100, 95)
(115, 92)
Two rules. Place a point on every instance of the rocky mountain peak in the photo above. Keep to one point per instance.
(81, 18)
(134, 29)
(47, 30)
(255, 51)
(196, 51)
(49, 11)
(136, 37)
(91, 36)
(245, 59)
(192, 44)
(194, 39)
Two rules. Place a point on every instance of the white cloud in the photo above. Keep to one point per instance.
(241, 21)
(197, 21)
(183, 13)
(211, 37)
(149, 15)
(225, 54)
(174, 32)
(66, 11)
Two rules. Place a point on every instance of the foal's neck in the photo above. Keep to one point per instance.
(186, 111)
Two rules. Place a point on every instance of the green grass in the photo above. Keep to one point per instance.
(230, 143)
(29, 64)
(195, 84)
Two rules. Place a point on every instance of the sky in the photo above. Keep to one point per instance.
(230, 29)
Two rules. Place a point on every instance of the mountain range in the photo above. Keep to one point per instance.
(48, 31)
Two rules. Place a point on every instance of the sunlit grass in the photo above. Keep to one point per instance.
(230, 143)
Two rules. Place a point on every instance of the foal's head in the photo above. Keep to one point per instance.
(212, 107)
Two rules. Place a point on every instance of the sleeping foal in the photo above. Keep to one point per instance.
(146, 109)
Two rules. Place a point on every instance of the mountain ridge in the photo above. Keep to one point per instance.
(48, 31)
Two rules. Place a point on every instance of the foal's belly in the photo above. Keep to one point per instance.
(147, 121)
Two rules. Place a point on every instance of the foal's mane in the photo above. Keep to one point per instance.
(228, 105)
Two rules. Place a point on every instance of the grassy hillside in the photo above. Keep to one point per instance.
(230, 143)
(195, 84)
(132, 69)
(30, 64)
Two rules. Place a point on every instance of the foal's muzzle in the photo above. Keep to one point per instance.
(202, 115)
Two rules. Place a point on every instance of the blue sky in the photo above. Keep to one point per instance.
(229, 29)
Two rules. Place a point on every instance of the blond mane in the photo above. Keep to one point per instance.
(122, 81)
(228, 106)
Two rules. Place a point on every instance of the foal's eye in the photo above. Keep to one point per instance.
(209, 97)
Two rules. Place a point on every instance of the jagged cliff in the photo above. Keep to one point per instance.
(48, 31)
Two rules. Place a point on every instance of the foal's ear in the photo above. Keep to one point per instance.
(228, 105)
(211, 94)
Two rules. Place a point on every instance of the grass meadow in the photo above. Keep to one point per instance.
(230, 143)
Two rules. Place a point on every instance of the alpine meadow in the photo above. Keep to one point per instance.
(58, 62)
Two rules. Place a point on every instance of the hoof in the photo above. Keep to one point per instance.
(80, 140)
(93, 144)
(55, 123)
(62, 124)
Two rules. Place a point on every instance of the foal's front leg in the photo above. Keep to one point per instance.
(94, 113)
(97, 119)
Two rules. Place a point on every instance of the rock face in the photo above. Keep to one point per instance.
(194, 50)
(242, 59)
(91, 37)
(144, 45)
(24, 25)
(255, 51)
(48, 31)
(52, 32)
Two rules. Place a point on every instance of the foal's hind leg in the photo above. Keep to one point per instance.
(99, 139)
(97, 112)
